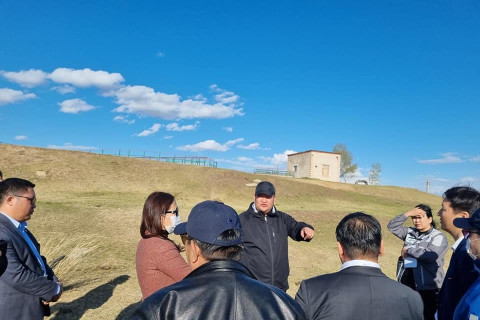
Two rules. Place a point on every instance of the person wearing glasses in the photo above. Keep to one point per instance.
(219, 286)
(469, 305)
(422, 256)
(158, 259)
(28, 284)
(458, 202)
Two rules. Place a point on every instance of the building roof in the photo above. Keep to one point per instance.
(317, 151)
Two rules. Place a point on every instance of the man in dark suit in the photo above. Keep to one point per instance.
(359, 290)
(28, 284)
(458, 202)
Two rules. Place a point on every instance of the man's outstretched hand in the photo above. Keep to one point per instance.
(307, 233)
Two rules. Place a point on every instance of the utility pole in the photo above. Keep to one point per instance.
(428, 186)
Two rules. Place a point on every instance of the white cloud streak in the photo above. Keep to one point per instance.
(210, 145)
(64, 89)
(153, 129)
(228, 129)
(86, 78)
(251, 146)
(448, 157)
(144, 101)
(75, 106)
(278, 159)
(123, 119)
(21, 137)
(70, 146)
(175, 127)
(10, 96)
(26, 78)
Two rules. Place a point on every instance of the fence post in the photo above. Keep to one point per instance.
(119, 152)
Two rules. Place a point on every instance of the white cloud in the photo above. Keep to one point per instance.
(26, 78)
(123, 119)
(251, 146)
(21, 137)
(210, 145)
(144, 101)
(475, 159)
(224, 96)
(70, 146)
(160, 54)
(64, 89)
(228, 129)
(167, 137)
(86, 78)
(10, 96)
(75, 106)
(153, 129)
(449, 157)
(175, 127)
(469, 180)
(278, 159)
(244, 159)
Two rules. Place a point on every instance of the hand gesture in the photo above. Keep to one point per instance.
(307, 233)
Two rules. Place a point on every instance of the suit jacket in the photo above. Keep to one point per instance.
(461, 274)
(358, 292)
(22, 285)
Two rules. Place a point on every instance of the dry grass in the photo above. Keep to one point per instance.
(89, 209)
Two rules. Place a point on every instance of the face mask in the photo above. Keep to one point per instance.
(175, 222)
(474, 257)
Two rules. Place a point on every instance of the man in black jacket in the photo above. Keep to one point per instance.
(219, 287)
(266, 231)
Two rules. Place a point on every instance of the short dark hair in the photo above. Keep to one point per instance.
(1, 174)
(215, 252)
(428, 211)
(11, 186)
(360, 235)
(463, 199)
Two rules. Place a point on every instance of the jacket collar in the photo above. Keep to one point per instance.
(367, 271)
(221, 266)
(253, 210)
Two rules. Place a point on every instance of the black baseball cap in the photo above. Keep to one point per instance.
(265, 188)
(472, 223)
(208, 220)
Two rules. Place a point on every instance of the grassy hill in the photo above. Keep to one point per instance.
(89, 208)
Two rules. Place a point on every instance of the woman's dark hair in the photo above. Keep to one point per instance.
(428, 211)
(154, 208)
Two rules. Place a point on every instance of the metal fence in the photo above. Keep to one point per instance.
(197, 161)
(274, 172)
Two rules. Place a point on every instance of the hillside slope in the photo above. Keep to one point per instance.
(89, 207)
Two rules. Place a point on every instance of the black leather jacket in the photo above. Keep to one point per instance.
(222, 289)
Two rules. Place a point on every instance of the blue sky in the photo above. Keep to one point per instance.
(246, 82)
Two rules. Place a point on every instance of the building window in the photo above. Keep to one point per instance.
(294, 168)
(325, 170)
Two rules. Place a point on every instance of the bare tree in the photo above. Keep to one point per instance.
(347, 168)
(374, 175)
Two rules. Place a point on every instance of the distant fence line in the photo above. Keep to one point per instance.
(274, 172)
(197, 161)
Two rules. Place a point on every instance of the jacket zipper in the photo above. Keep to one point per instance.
(271, 250)
(421, 272)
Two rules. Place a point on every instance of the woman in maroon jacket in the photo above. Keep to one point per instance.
(158, 260)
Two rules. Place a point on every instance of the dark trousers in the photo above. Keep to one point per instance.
(430, 302)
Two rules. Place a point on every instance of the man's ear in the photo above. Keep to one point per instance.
(382, 248)
(341, 251)
(9, 200)
(194, 252)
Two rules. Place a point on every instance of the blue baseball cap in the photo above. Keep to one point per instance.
(208, 220)
(265, 188)
(472, 223)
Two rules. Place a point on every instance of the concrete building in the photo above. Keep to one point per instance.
(315, 164)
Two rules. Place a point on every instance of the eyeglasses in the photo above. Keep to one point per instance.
(174, 211)
(185, 237)
(32, 200)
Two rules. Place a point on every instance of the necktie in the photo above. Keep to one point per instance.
(23, 231)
